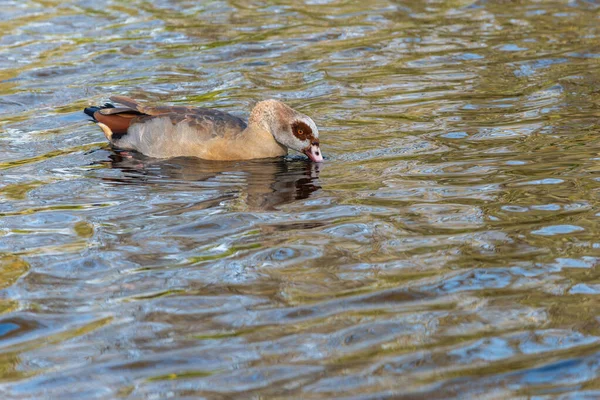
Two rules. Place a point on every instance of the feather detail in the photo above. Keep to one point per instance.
(128, 102)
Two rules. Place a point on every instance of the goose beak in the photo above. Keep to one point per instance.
(314, 153)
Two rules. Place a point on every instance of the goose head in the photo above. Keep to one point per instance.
(289, 127)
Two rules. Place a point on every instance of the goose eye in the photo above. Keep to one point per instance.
(301, 131)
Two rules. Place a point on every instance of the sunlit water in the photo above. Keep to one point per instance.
(448, 247)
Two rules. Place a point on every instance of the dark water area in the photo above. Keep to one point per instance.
(449, 247)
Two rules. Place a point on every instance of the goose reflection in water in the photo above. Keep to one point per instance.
(254, 185)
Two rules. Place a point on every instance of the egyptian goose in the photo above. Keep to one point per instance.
(173, 131)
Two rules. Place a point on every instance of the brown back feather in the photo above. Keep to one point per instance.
(128, 102)
(118, 123)
(120, 118)
(117, 110)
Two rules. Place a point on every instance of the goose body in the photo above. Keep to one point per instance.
(175, 131)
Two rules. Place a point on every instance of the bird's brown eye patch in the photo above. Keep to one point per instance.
(302, 131)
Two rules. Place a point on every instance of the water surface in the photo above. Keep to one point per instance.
(447, 248)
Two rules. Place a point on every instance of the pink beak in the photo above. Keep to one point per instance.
(314, 153)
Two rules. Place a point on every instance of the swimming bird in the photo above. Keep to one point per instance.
(174, 131)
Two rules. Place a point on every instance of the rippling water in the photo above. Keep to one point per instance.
(447, 248)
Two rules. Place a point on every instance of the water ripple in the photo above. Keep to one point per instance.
(447, 248)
